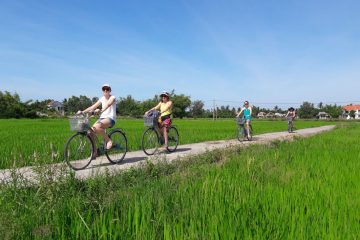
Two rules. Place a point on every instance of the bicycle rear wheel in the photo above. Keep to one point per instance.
(173, 139)
(150, 141)
(119, 148)
(79, 151)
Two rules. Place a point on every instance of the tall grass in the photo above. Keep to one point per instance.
(29, 142)
(307, 189)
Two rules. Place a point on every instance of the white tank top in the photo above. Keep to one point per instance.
(111, 111)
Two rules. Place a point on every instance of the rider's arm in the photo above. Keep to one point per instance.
(154, 108)
(242, 109)
(108, 104)
(168, 106)
(250, 111)
(287, 114)
(92, 108)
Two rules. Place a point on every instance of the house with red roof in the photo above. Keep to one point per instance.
(348, 108)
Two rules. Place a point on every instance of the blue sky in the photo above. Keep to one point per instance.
(268, 52)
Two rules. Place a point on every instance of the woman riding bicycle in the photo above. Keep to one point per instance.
(290, 115)
(165, 106)
(108, 114)
(247, 111)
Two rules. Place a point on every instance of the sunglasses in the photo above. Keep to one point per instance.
(106, 89)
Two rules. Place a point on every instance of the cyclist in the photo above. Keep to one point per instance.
(290, 115)
(247, 111)
(165, 106)
(108, 113)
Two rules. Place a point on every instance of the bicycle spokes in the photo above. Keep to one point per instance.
(78, 151)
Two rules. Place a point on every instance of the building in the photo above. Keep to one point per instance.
(279, 115)
(323, 115)
(270, 115)
(261, 115)
(57, 106)
(347, 111)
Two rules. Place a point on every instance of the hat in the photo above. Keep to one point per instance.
(106, 86)
(165, 93)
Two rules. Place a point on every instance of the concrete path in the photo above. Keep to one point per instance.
(133, 159)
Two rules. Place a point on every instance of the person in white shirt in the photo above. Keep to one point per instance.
(108, 113)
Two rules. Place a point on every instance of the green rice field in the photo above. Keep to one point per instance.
(305, 189)
(27, 142)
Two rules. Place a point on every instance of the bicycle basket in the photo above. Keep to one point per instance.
(79, 124)
(240, 121)
(150, 121)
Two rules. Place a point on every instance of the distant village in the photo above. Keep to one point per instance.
(349, 112)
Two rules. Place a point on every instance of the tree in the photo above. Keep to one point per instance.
(129, 107)
(74, 104)
(320, 105)
(307, 110)
(10, 105)
(255, 111)
(196, 108)
(226, 112)
(277, 109)
(352, 114)
(333, 110)
(32, 108)
(148, 104)
(94, 100)
(181, 103)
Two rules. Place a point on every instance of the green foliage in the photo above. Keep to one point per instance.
(307, 110)
(181, 104)
(10, 105)
(25, 142)
(352, 114)
(197, 109)
(226, 112)
(305, 189)
(73, 104)
(129, 107)
(333, 110)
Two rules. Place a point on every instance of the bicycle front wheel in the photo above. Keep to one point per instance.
(150, 141)
(240, 134)
(290, 127)
(79, 151)
(173, 139)
(119, 148)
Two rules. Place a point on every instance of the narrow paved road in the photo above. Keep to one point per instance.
(133, 159)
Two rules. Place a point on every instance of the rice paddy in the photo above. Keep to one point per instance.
(26, 142)
(306, 189)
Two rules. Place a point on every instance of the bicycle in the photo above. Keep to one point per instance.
(84, 146)
(243, 131)
(152, 137)
(290, 124)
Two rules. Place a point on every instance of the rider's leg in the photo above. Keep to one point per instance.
(166, 125)
(248, 127)
(100, 127)
(165, 133)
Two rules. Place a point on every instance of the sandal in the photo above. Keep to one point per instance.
(109, 145)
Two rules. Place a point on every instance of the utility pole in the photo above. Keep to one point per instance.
(214, 110)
